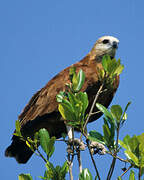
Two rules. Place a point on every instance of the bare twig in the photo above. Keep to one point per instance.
(114, 157)
(139, 173)
(71, 155)
(41, 155)
(111, 169)
(117, 157)
(66, 141)
(92, 107)
(70, 163)
(95, 113)
(89, 148)
(84, 127)
(79, 160)
(126, 170)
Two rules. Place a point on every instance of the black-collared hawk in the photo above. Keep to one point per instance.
(42, 109)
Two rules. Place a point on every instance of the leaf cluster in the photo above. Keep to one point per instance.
(134, 149)
(73, 104)
(55, 173)
(113, 120)
(111, 69)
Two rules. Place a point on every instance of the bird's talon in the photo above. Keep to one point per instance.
(97, 148)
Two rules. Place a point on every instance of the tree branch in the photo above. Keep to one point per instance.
(70, 159)
(126, 170)
(89, 148)
(117, 157)
(139, 173)
(84, 127)
(114, 157)
(41, 155)
(92, 107)
(79, 160)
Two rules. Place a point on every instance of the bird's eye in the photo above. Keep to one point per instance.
(105, 41)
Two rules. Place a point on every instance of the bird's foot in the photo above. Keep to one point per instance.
(75, 144)
(97, 148)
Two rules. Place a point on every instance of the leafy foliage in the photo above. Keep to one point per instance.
(25, 177)
(18, 127)
(46, 142)
(85, 175)
(113, 119)
(77, 80)
(134, 149)
(132, 175)
(73, 104)
(55, 173)
(111, 66)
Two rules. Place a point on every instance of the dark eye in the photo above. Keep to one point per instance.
(105, 41)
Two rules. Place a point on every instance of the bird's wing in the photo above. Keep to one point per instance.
(44, 101)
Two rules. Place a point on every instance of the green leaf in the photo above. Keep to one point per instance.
(64, 169)
(119, 178)
(67, 103)
(30, 144)
(80, 80)
(134, 144)
(83, 98)
(60, 96)
(112, 65)
(123, 144)
(134, 149)
(66, 112)
(105, 62)
(119, 69)
(72, 74)
(116, 112)
(73, 77)
(18, 128)
(44, 140)
(126, 139)
(51, 147)
(142, 171)
(132, 175)
(127, 106)
(45, 178)
(46, 175)
(124, 116)
(107, 134)
(96, 136)
(85, 175)
(141, 149)
(50, 170)
(72, 99)
(104, 111)
(132, 157)
(72, 70)
(129, 143)
(24, 177)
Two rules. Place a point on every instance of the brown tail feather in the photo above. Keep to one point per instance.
(19, 150)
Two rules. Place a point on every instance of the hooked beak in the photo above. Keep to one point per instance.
(115, 45)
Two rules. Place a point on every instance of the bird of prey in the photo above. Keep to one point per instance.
(42, 109)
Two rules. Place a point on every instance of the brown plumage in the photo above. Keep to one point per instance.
(42, 109)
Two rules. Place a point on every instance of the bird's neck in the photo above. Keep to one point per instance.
(95, 56)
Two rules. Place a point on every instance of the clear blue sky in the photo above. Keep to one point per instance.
(40, 38)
